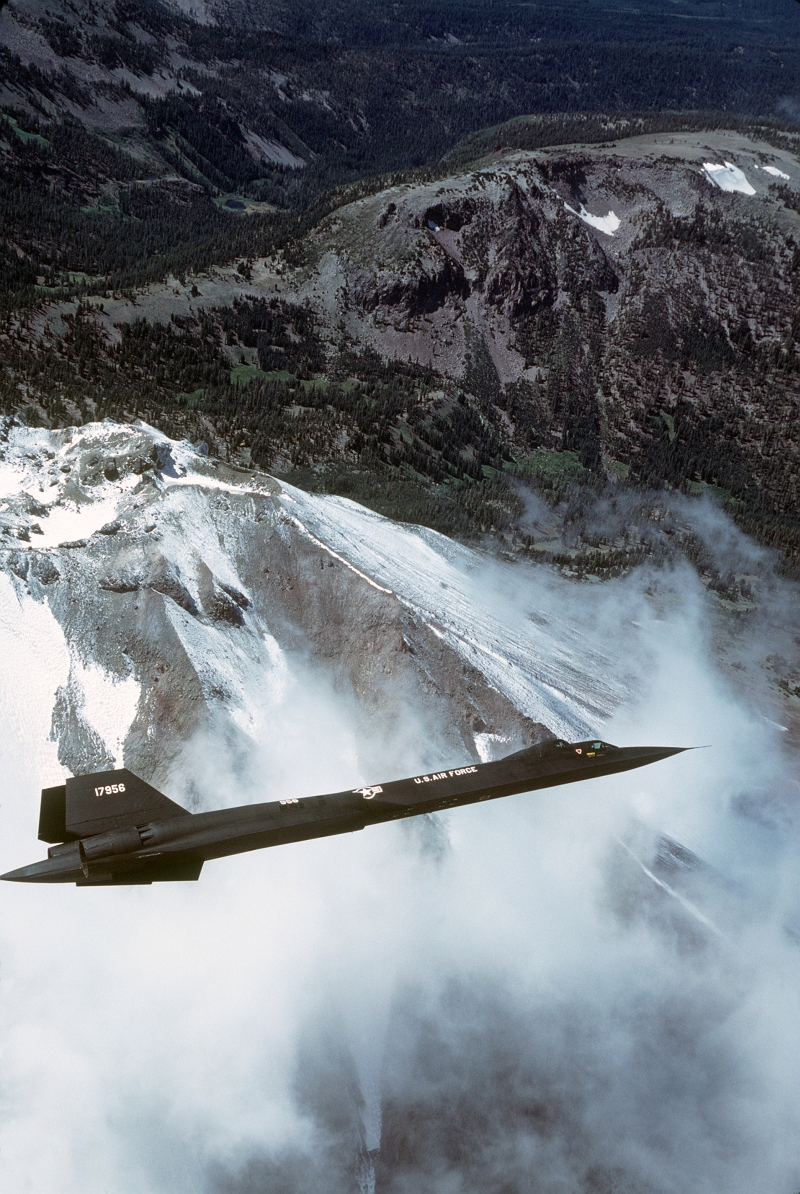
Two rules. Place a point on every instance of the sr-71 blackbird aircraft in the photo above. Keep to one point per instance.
(113, 828)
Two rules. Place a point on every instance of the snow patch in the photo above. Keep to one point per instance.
(607, 224)
(318, 542)
(110, 703)
(11, 479)
(34, 663)
(264, 148)
(491, 746)
(551, 674)
(68, 521)
(728, 178)
(235, 672)
(204, 482)
(190, 532)
(775, 172)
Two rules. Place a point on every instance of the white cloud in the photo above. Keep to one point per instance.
(240, 1033)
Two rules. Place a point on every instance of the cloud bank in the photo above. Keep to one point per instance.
(528, 996)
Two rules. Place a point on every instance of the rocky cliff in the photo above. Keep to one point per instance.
(635, 302)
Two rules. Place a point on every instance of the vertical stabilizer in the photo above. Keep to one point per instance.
(52, 816)
(111, 800)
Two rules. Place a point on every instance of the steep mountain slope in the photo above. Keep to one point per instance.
(174, 594)
(637, 303)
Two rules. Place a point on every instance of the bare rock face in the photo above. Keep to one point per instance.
(528, 230)
(177, 591)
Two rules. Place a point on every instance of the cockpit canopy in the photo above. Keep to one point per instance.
(593, 748)
(589, 749)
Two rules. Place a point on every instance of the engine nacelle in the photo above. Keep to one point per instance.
(116, 841)
(156, 832)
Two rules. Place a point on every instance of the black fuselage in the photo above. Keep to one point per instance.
(177, 846)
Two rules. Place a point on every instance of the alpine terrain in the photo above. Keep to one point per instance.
(386, 389)
(583, 316)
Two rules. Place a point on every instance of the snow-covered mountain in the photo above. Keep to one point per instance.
(167, 594)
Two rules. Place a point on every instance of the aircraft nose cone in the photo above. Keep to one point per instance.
(628, 757)
(652, 752)
(49, 870)
(25, 874)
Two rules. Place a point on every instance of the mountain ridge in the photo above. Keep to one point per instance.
(600, 309)
(145, 118)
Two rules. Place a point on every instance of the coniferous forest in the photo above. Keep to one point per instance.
(151, 163)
